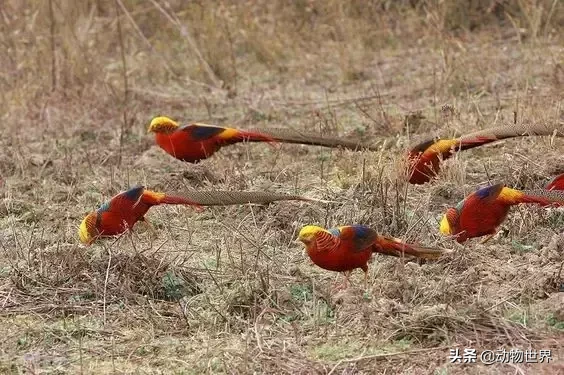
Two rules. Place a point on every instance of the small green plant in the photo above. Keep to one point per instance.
(23, 342)
(173, 286)
(301, 292)
(521, 248)
(337, 351)
(210, 263)
(325, 313)
(88, 296)
(554, 322)
(555, 219)
(520, 317)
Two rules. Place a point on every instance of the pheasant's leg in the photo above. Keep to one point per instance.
(198, 208)
(345, 283)
(365, 269)
(150, 227)
(489, 237)
(347, 280)
(129, 234)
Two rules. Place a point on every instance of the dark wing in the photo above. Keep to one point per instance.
(134, 193)
(202, 132)
(489, 193)
(360, 236)
(124, 200)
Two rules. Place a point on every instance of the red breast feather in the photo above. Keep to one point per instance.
(478, 218)
(329, 253)
(182, 147)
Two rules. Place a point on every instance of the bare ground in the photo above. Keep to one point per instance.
(228, 290)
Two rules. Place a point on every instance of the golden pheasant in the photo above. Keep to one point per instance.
(483, 211)
(195, 142)
(125, 209)
(346, 248)
(424, 158)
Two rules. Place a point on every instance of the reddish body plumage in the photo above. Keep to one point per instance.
(342, 249)
(425, 158)
(195, 142)
(483, 211)
(185, 146)
(557, 183)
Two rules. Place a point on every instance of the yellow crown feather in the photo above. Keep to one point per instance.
(162, 124)
(308, 232)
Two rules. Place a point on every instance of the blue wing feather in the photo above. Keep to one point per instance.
(484, 192)
(334, 231)
(362, 231)
(131, 195)
(201, 133)
(361, 235)
(134, 193)
(489, 192)
(104, 207)
(459, 205)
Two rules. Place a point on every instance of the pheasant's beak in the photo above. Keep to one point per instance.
(303, 241)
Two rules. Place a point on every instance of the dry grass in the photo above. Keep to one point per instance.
(227, 290)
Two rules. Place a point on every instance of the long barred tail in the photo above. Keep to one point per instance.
(227, 198)
(557, 183)
(395, 247)
(543, 197)
(467, 143)
(304, 138)
(510, 131)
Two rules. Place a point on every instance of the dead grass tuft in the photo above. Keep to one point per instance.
(70, 279)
